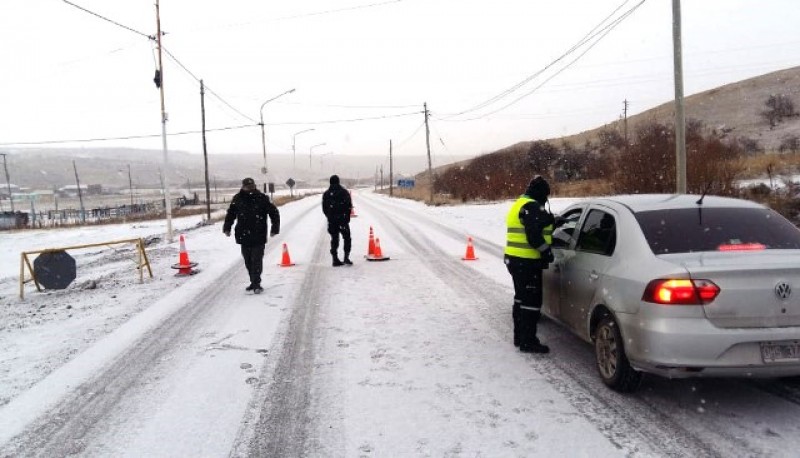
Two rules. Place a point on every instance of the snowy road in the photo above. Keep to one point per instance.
(410, 357)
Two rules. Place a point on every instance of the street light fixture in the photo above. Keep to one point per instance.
(263, 137)
(309, 153)
(294, 153)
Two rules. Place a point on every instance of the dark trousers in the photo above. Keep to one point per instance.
(527, 277)
(254, 261)
(334, 229)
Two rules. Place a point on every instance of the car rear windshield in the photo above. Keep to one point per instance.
(717, 229)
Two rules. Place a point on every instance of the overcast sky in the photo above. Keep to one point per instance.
(70, 75)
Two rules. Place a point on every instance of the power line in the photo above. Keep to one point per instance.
(407, 139)
(188, 132)
(369, 107)
(172, 56)
(597, 38)
(128, 137)
(151, 37)
(304, 15)
(208, 89)
(339, 10)
(335, 121)
(594, 32)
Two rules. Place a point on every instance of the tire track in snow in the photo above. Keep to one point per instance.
(279, 414)
(62, 429)
(784, 389)
(629, 423)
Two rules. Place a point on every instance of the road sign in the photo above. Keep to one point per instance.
(405, 183)
(290, 183)
(54, 269)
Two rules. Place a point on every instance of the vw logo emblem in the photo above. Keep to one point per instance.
(783, 290)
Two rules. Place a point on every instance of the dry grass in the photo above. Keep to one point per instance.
(757, 166)
(583, 188)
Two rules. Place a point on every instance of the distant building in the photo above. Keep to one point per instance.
(4, 190)
(71, 190)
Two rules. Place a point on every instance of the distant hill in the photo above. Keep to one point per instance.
(733, 111)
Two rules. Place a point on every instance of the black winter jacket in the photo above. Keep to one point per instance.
(336, 204)
(250, 210)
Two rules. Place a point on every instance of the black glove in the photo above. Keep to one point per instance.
(273, 233)
(547, 256)
(549, 219)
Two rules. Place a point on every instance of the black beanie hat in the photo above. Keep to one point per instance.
(334, 179)
(538, 189)
(248, 181)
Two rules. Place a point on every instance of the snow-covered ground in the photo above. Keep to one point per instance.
(410, 357)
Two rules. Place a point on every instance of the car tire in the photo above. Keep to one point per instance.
(612, 364)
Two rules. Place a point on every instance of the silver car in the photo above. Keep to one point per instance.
(679, 286)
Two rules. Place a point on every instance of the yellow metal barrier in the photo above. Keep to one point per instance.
(24, 261)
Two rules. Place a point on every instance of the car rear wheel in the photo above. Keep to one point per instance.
(612, 364)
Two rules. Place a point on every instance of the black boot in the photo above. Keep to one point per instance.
(347, 259)
(534, 347)
(336, 261)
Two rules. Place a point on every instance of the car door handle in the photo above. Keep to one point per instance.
(593, 276)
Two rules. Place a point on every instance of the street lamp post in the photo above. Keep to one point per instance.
(294, 143)
(309, 153)
(263, 136)
(8, 182)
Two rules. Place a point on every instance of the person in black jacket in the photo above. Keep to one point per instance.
(250, 209)
(527, 253)
(336, 205)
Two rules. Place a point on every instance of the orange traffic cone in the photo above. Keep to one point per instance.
(286, 261)
(352, 208)
(470, 255)
(378, 254)
(371, 247)
(184, 267)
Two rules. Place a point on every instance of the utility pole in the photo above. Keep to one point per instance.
(391, 176)
(680, 116)
(381, 177)
(130, 185)
(428, 143)
(80, 193)
(160, 80)
(205, 150)
(625, 104)
(8, 183)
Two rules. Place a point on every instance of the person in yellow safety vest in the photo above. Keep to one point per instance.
(527, 253)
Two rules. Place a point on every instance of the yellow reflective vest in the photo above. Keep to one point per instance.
(516, 240)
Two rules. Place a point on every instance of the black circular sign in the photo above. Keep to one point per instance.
(54, 269)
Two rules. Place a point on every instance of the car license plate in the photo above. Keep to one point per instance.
(780, 352)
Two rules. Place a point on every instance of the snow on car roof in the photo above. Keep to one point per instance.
(646, 202)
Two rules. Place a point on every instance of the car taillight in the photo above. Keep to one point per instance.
(742, 247)
(680, 291)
